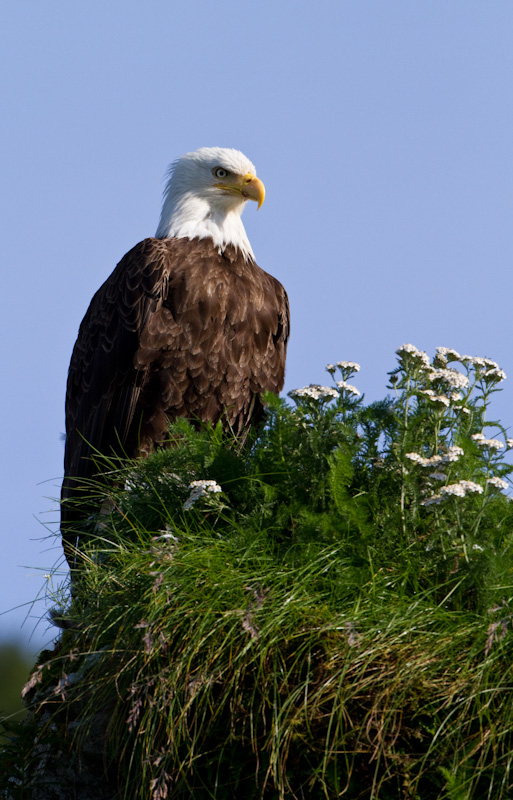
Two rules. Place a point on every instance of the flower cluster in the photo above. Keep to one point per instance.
(434, 500)
(200, 489)
(497, 483)
(411, 353)
(347, 368)
(494, 375)
(468, 487)
(459, 489)
(314, 392)
(327, 393)
(492, 444)
(443, 385)
(451, 377)
(479, 361)
(445, 354)
(436, 398)
(348, 387)
(352, 366)
(444, 407)
(446, 387)
(453, 454)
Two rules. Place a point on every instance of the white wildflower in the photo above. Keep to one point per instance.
(448, 353)
(453, 378)
(492, 444)
(406, 348)
(414, 457)
(478, 361)
(412, 352)
(461, 488)
(453, 453)
(436, 398)
(207, 486)
(455, 396)
(438, 476)
(441, 399)
(470, 486)
(498, 483)
(330, 368)
(494, 375)
(478, 548)
(509, 443)
(435, 499)
(352, 365)
(348, 387)
(455, 489)
(433, 461)
(200, 489)
(314, 392)
(462, 409)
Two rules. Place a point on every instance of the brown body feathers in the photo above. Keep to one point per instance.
(179, 329)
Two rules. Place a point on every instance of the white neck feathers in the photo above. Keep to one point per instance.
(185, 215)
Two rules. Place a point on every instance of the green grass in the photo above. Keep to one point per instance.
(332, 623)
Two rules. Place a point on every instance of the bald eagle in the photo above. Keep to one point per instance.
(187, 325)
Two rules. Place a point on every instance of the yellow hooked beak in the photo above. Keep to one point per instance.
(248, 186)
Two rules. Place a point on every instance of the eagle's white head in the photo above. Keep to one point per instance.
(205, 197)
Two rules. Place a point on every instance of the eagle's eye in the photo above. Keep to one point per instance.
(220, 172)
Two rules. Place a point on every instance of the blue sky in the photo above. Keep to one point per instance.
(383, 132)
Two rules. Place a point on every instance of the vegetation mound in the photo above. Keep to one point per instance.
(325, 613)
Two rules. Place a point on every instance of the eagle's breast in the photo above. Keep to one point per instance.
(211, 344)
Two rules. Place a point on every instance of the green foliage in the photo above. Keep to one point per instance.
(15, 666)
(326, 612)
